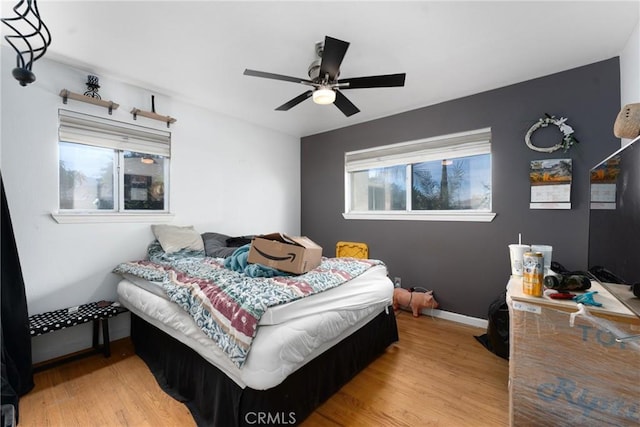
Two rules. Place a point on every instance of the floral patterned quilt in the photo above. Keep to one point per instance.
(227, 305)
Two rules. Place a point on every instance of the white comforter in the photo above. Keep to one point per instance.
(289, 335)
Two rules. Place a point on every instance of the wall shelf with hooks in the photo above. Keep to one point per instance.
(151, 115)
(67, 94)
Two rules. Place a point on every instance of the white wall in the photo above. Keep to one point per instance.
(227, 176)
(630, 72)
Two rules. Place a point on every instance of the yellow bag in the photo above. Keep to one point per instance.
(352, 250)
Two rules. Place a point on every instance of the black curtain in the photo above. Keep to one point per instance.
(17, 370)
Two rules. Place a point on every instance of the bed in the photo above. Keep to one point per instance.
(303, 350)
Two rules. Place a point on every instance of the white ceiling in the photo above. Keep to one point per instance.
(197, 51)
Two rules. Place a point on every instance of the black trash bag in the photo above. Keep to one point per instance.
(496, 340)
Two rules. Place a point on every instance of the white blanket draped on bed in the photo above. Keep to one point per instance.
(289, 335)
(228, 305)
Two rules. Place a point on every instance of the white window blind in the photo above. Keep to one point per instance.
(436, 148)
(96, 131)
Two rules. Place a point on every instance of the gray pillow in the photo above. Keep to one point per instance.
(215, 245)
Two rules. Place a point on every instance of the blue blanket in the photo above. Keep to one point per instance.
(238, 262)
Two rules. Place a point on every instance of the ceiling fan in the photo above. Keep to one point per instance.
(323, 77)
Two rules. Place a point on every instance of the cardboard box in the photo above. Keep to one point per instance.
(297, 254)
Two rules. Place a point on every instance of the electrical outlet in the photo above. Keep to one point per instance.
(397, 282)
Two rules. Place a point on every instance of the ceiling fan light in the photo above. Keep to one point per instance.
(324, 96)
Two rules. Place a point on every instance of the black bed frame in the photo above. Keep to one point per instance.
(216, 400)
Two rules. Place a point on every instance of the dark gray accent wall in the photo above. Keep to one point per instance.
(467, 263)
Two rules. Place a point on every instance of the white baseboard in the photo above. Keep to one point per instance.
(455, 317)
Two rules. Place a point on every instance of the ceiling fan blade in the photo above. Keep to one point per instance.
(265, 75)
(332, 56)
(387, 80)
(295, 101)
(345, 105)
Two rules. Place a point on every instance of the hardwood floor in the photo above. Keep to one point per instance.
(436, 375)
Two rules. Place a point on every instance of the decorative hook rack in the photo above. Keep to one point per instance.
(67, 94)
(152, 115)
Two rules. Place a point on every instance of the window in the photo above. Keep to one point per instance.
(112, 168)
(441, 178)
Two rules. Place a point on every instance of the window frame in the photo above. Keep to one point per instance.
(84, 129)
(462, 144)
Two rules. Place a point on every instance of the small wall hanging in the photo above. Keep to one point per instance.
(568, 140)
(550, 184)
(93, 84)
(30, 39)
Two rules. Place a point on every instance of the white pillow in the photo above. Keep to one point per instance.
(173, 238)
